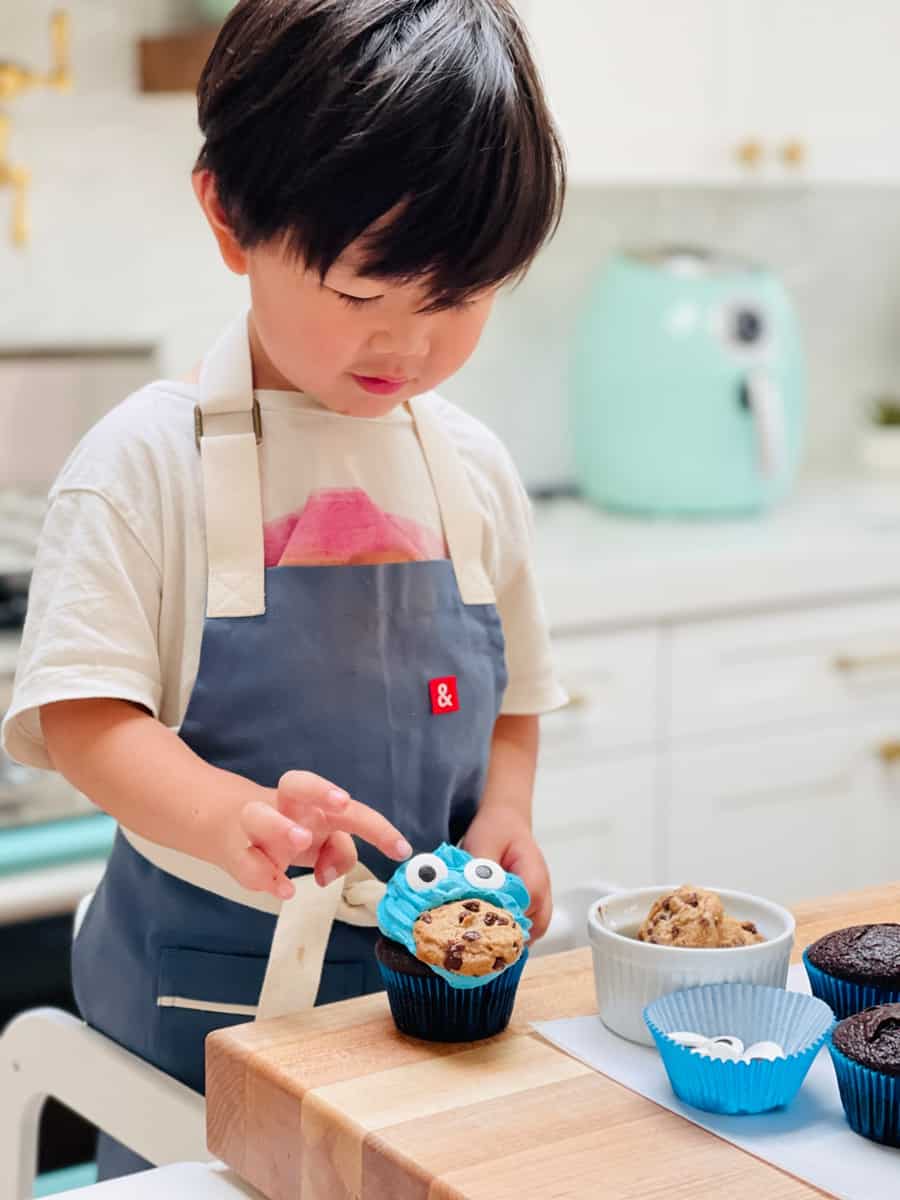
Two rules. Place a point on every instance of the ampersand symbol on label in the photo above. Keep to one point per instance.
(444, 695)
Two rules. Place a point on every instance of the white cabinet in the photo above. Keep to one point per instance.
(757, 752)
(635, 86)
(595, 792)
(735, 674)
(788, 817)
(817, 81)
(594, 820)
(611, 682)
(722, 91)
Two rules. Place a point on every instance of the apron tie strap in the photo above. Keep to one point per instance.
(303, 924)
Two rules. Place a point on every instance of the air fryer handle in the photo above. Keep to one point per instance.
(764, 399)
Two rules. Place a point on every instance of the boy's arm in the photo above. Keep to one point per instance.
(144, 775)
(513, 762)
(501, 829)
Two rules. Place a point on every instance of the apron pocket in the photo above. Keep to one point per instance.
(198, 992)
(342, 980)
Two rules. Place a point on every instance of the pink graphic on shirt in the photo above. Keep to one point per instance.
(344, 527)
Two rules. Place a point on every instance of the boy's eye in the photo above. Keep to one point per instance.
(356, 301)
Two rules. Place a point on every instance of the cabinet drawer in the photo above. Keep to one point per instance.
(595, 821)
(612, 686)
(826, 662)
(790, 816)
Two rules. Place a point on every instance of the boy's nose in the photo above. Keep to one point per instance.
(407, 341)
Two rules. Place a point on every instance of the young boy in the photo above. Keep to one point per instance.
(301, 576)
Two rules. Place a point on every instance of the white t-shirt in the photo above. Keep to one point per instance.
(118, 594)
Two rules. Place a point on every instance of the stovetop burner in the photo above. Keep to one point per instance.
(13, 600)
(21, 518)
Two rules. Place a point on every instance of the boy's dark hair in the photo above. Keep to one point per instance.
(322, 116)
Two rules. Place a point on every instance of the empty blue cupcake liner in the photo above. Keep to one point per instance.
(426, 1006)
(871, 1099)
(754, 1013)
(842, 995)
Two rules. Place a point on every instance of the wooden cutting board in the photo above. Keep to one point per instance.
(335, 1104)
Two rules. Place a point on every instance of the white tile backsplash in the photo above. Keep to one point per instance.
(120, 252)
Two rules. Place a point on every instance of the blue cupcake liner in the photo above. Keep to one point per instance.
(871, 1099)
(426, 1006)
(842, 995)
(754, 1013)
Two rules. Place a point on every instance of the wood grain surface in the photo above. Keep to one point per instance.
(335, 1104)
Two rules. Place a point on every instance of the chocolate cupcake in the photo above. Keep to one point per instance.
(855, 968)
(865, 1050)
(453, 945)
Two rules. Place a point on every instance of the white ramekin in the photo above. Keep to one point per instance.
(630, 974)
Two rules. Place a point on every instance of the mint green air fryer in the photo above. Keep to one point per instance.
(689, 386)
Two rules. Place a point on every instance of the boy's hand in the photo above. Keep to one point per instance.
(308, 823)
(503, 835)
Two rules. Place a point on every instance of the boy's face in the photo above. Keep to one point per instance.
(358, 345)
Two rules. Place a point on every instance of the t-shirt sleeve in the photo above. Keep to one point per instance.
(533, 686)
(92, 621)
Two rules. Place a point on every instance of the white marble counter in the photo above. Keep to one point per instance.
(834, 540)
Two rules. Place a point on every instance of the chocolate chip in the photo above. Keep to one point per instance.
(456, 948)
(452, 962)
(462, 917)
(472, 935)
(692, 899)
(750, 927)
(472, 905)
(499, 964)
(490, 918)
(426, 917)
(502, 921)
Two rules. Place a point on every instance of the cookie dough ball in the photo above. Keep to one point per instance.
(688, 917)
(470, 937)
(738, 933)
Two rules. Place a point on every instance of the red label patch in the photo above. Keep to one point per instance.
(444, 695)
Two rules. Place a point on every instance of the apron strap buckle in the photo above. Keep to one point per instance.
(255, 413)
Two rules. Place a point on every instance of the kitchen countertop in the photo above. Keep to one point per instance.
(336, 1103)
(833, 540)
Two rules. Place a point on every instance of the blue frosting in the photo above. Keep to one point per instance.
(402, 905)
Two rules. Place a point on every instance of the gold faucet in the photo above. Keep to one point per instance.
(14, 80)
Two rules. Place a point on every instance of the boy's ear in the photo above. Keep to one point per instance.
(204, 184)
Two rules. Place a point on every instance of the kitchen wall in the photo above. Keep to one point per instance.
(119, 251)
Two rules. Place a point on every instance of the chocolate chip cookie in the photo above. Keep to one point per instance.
(470, 937)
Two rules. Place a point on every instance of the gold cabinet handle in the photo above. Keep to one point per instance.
(20, 177)
(60, 74)
(889, 752)
(750, 153)
(848, 663)
(793, 153)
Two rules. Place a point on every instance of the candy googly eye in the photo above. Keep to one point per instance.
(482, 873)
(425, 871)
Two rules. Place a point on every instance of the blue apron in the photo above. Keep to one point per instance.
(321, 668)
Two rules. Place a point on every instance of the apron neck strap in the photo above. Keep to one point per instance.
(229, 429)
(462, 519)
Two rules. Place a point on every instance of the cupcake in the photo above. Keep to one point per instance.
(865, 1050)
(855, 968)
(453, 945)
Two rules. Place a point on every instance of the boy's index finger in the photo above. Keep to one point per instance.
(372, 827)
(300, 791)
